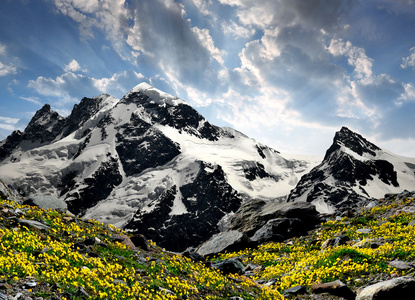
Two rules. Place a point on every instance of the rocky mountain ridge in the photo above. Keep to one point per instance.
(353, 170)
(148, 154)
(151, 163)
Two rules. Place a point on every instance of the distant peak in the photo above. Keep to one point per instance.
(353, 141)
(155, 95)
(142, 87)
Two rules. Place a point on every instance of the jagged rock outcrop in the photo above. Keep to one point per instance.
(395, 288)
(353, 171)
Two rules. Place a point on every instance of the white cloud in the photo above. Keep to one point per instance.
(7, 127)
(8, 120)
(408, 62)
(318, 14)
(408, 94)
(6, 68)
(2, 49)
(73, 66)
(70, 87)
(203, 6)
(206, 41)
(356, 57)
(7, 123)
(237, 31)
(34, 100)
(117, 84)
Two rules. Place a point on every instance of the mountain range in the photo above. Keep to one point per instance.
(150, 163)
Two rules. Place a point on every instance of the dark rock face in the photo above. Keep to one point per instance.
(353, 141)
(181, 116)
(140, 147)
(45, 126)
(252, 216)
(230, 266)
(207, 199)
(10, 143)
(347, 171)
(232, 240)
(256, 171)
(82, 112)
(97, 187)
(279, 229)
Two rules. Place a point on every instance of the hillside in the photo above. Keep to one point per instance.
(47, 254)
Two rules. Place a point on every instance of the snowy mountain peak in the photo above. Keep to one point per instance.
(148, 162)
(155, 95)
(352, 141)
(353, 171)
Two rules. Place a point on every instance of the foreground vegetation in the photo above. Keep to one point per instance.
(371, 241)
(53, 262)
(112, 270)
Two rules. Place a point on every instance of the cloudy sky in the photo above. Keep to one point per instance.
(288, 73)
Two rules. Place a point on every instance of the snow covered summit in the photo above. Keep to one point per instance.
(354, 170)
(148, 162)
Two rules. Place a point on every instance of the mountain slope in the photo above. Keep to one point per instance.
(147, 162)
(354, 170)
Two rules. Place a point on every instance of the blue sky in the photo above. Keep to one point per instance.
(289, 73)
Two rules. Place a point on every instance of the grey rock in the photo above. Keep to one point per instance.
(396, 288)
(279, 229)
(251, 216)
(274, 230)
(401, 265)
(119, 281)
(299, 289)
(193, 255)
(412, 223)
(166, 291)
(82, 292)
(18, 296)
(32, 223)
(336, 288)
(140, 241)
(3, 296)
(235, 298)
(225, 241)
(369, 243)
(30, 284)
(230, 266)
(334, 242)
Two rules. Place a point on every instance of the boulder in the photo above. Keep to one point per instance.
(336, 288)
(230, 266)
(33, 223)
(401, 265)
(396, 288)
(193, 255)
(224, 241)
(279, 229)
(251, 216)
(335, 242)
(140, 241)
(123, 239)
(296, 290)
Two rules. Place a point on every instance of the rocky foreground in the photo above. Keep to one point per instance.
(51, 254)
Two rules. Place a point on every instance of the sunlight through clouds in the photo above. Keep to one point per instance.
(252, 65)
